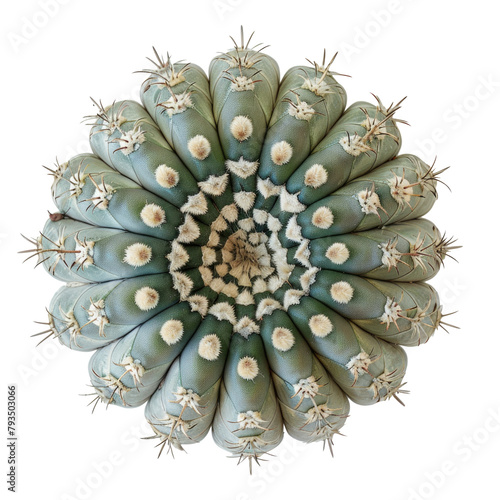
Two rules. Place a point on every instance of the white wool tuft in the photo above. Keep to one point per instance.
(292, 298)
(248, 368)
(222, 269)
(246, 326)
(302, 110)
(317, 85)
(230, 212)
(290, 202)
(208, 256)
(178, 256)
(245, 298)
(259, 216)
(146, 298)
(130, 141)
(254, 238)
(171, 331)
(182, 283)
(245, 200)
(267, 188)
(219, 224)
(177, 103)
(293, 230)
(196, 204)
(189, 231)
(401, 190)
(223, 311)
(97, 315)
(242, 83)
(214, 185)
(322, 218)
(369, 201)
(341, 292)
(274, 283)
(316, 176)
(138, 254)
(198, 303)
(359, 364)
(259, 286)
(153, 215)
(281, 153)
(303, 253)
(354, 145)
(338, 253)
(206, 275)
(392, 312)
(199, 147)
(166, 177)
(308, 278)
(209, 347)
(282, 339)
(213, 239)
(102, 195)
(246, 224)
(273, 224)
(241, 128)
(231, 290)
(267, 306)
(320, 325)
(391, 256)
(217, 285)
(242, 168)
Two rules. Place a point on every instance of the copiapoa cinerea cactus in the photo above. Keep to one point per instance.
(243, 253)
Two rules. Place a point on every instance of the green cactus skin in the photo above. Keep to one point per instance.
(243, 253)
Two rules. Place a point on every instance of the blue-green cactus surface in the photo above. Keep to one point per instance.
(242, 253)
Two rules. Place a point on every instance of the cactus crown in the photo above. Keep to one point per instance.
(242, 251)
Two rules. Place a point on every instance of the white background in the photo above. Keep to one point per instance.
(444, 57)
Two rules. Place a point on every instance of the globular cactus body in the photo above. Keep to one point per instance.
(243, 253)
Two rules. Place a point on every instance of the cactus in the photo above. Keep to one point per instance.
(243, 252)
